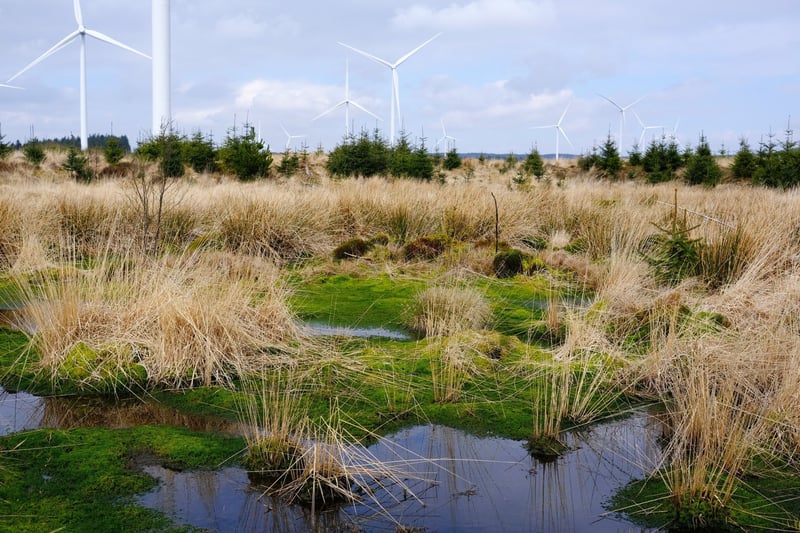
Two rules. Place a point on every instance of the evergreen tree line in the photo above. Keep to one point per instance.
(366, 155)
(774, 164)
(95, 140)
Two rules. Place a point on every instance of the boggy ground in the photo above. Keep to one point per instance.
(620, 294)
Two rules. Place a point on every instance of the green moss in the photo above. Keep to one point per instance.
(766, 503)
(103, 370)
(351, 301)
(83, 479)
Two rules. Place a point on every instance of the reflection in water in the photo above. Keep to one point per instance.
(453, 481)
(22, 411)
(322, 329)
(19, 412)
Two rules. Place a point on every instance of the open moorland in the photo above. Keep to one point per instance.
(317, 312)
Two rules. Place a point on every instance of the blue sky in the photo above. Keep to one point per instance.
(499, 68)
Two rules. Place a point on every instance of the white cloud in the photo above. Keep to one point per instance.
(284, 96)
(478, 14)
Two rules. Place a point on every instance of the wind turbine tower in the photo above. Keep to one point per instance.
(162, 113)
(447, 139)
(395, 102)
(559, 130)
(81, 32)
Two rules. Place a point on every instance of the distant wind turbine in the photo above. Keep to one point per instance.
(81, 32)
(346, 103)
(395, 102)
(559, 129)
(621, 116)
(674, 135)
(162, 78)
(644, 128)
(289, 137)
(446, 138)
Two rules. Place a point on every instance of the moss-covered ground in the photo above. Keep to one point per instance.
(85, 479)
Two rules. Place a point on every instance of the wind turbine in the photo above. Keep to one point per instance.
(395, 103)
(289, 137)
(81, 32)
(559, 129)
(644, 128)
(622, 115)
(162, 112)
(674, 135)
(346, 103)
(445, 138)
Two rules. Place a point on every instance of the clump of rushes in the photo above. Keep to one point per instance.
(550, 399)
(442, 311)
(454, 361)
(185, 320)
(273, 419)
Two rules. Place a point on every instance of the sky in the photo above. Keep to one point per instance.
(498, 70)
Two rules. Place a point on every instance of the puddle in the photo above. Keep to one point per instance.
(22, 411)
(322, 329)
(566, 302)
(461, 482)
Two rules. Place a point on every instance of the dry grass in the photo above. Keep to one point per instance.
(186, 320)
(442, 311)
(730, 381)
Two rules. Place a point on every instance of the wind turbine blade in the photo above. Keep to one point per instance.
(610, 100)
(564, 113)
(363, 53)
(638, 118)
(365, 110)
(635, 102)
(543, 127)
(78, 15)
(55, 48)
(109, 40)
(415, 50)
(334, 108)
(285, 130)
(565, 135)
(11, 86)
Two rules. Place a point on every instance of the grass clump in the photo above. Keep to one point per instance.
(441, 311)
(181, 321)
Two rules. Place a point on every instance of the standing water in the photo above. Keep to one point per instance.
(452, 481)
